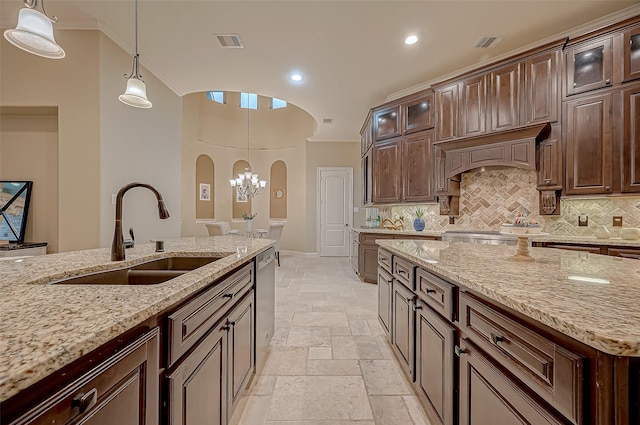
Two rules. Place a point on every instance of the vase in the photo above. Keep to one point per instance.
(418, 224)
(249, 225)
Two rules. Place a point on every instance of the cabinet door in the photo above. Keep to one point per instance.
(488, 397)
(505, 97)
(447, 118)
(435, 341)
(387, 172)
(473, 98)
(241, 349)
(632, 54)
(197, 389)
(386, 123)
(418, 114)
(550, 163)
(367, 178)
(366, 137)
(541, 88)
(417, 168)
(355, 248)
(120, 390)
(385, 294)
(631, 144)
(589, 160)
(589, 67)
(368, 266)
(402, 327)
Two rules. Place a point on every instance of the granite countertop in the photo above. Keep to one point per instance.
(45, 327)
(430, 233)
(587, 240)
(591, 298)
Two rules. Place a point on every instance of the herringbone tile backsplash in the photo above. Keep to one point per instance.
(495, 196)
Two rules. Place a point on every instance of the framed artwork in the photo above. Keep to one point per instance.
(279, 194)
(241, 197)
(205, 192)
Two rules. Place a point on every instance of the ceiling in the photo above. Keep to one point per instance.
(351, 53)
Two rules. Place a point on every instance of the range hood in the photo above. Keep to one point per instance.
(512, 148)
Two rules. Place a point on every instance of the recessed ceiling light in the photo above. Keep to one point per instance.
(296, 77)
(412, 39)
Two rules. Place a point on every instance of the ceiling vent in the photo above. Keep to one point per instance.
(487, 42)
(327, 120)
(230, 41)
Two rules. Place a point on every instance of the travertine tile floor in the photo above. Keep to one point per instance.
(329, 362)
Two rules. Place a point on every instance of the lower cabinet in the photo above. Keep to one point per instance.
(123, 389)
(385, 295)
(205, 387)
(402, 327)
(488, 397)
(615, 251)
(435, 342)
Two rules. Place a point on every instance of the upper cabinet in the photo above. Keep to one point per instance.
(541, 88)
(386, 122)
(631, 140)
(387, 157)
(632, 54)
(447, 106)
(366, 135)
(505, 97)
(589, 66)
(473, 103)
(418, 114)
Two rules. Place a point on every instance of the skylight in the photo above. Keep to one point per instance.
(278, 103)
(216, 96)
(249, 100)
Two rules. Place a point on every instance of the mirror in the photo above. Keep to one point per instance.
(14, 206)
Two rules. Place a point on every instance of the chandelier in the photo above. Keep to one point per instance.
(247, 184)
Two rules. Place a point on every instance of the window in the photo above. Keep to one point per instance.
(249, 100)
(217, 96)
(278, 103)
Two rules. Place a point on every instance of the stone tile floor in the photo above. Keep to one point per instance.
(329, 362)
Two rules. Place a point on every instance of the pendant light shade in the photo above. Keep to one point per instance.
(34, 34)
(136, 94)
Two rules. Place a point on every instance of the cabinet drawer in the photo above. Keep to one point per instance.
(371, 237)
(437, 293)
(553, 372)
(193, 321)
(384, 260)
(625, 253)
(403, 271)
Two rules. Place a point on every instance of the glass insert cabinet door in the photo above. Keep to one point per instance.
(589, 67)
(386, 123)
(14, 206)
(419, 114)
(632, 54)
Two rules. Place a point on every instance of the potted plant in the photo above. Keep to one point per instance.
(418, 222)
(249, 219)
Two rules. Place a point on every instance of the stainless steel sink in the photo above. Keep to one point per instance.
(147, 273)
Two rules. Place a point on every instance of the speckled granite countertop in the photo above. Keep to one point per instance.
(45, 327)
(425, 233)
(587, 240)
(591, 298)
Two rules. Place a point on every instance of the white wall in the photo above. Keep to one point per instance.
(137, 145)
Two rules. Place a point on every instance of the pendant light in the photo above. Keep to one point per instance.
(34, 32)
(136, 92)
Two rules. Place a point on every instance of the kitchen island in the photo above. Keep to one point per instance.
(45, 328)
(548, 341)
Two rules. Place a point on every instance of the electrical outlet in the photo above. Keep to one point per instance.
(617, 221)
(452, 220)
(583, 220)
(113, 199)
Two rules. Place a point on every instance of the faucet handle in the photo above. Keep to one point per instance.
(130, 243)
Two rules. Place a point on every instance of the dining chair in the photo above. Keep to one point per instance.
(220, 228)
(275, 232)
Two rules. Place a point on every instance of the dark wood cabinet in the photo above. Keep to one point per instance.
(542, 95)
(589, 66)
(616, 251)
(631, 140)
(402, 327)
(367, 178)
(447, 111)
(435, 342)
(589, 145)
(624, 253)
(550, 163)
(386, 122)
(387, 177)
(505, 97)
(385, 295)
(473, 106)
(366, 135)
(368, 261)
(122, 389)
(631, 40)
(417, 168)
(489, 397)
(355, 251)
(197, 388)
(418, 114)
(241, 323)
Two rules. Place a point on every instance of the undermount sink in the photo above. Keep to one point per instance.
(147, 273)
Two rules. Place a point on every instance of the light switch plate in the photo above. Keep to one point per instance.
(617, 221)
(113, 198)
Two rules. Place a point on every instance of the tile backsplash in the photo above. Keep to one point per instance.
(494, 196)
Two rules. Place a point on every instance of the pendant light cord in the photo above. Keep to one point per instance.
(136, 23)
(249, 136)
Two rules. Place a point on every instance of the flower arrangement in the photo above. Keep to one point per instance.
(248, 216)
(419, 212)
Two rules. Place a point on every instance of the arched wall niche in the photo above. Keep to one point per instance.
(278, 191)
(204, 188)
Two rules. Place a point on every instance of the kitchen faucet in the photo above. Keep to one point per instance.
(117, 247)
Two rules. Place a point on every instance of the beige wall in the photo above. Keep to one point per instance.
(71, 85)
(204, 175)
(29, 151)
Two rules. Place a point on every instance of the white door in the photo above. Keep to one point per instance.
(335, 187)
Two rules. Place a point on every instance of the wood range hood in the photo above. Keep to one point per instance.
(517, 148)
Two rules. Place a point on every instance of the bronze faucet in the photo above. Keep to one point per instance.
(117, 247)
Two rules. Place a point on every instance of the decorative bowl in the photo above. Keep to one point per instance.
(519, 230)
(534, 229)
(631, 234)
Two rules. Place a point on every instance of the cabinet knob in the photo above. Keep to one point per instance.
(607, 82)
(575, 84)
(607, 188)
(416, 307)
(460, 351)
(547, 180)
(496, 339)
(429, 291)
(84, 401)
(230, 296)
